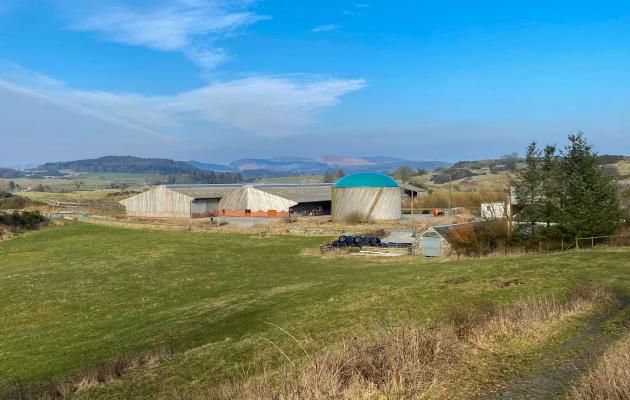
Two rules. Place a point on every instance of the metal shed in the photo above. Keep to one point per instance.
(436, 241)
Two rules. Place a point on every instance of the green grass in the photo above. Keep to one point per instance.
(81, 294)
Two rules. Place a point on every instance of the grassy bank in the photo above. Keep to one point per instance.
(80, 295)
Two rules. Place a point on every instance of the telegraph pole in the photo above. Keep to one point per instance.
(412, 207)
(450, 188)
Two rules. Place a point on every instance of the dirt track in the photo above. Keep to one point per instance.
(551, 377)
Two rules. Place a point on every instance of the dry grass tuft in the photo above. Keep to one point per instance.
(87, 378)
(610, 380)
(405, 362)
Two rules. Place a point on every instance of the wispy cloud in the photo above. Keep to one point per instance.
(192, 27)
(357, 9)
(265, 106)
(325, 28)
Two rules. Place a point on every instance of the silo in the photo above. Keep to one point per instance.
(367, 196)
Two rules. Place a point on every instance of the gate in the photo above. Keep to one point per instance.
(431, 246)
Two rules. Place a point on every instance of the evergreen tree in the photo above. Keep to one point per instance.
(550, 196)
(527, 187)
(591, 202)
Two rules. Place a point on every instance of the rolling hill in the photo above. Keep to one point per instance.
(122, 164)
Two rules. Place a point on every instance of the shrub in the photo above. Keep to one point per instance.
(355, 218)
(480, 239)
(12, 202)
(27, 220)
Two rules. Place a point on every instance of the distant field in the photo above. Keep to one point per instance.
(89, 181)
(82, 195)
(81, 294)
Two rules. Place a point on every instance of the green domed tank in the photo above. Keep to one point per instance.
(368, 196)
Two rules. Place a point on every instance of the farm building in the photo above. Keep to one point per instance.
(437, 240)
(368, 196)
(411, 191)
(261, 200)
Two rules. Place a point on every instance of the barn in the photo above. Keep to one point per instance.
(369, 196)
(261, 200)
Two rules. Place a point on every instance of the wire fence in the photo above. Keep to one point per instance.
(602, 241)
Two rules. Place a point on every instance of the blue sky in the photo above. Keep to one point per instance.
(217, 80)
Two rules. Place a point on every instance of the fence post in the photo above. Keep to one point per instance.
(562, 244)
(577, 244)
(592, 242)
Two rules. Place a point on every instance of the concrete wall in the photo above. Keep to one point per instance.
(158, 202)
(373, 204)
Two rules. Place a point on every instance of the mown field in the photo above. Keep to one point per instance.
(78, 295)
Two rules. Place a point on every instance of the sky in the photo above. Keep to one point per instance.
(219, 80)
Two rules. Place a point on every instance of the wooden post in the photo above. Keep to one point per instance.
(577, 244)
(592, 242)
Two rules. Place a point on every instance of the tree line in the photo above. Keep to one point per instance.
(123, 164)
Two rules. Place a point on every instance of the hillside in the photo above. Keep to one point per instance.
(211, 167)
(496, 174)
(320, 165)
(123, 164)
(9, 173)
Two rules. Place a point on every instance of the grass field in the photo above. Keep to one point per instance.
(79, 294)
(73, 196)
(89, 181)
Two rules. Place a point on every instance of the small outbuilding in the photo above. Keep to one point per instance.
(366, 195)
(437, 240)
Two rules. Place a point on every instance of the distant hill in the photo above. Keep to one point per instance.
(123, 164)
(9, 173)
(212, 167)
(319, 165)
(249, 167)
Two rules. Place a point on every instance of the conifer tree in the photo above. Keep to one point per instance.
(591, 202)
(527, 187)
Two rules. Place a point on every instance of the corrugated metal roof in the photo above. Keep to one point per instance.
(301, 193)
(412, 188)
(446, 231)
